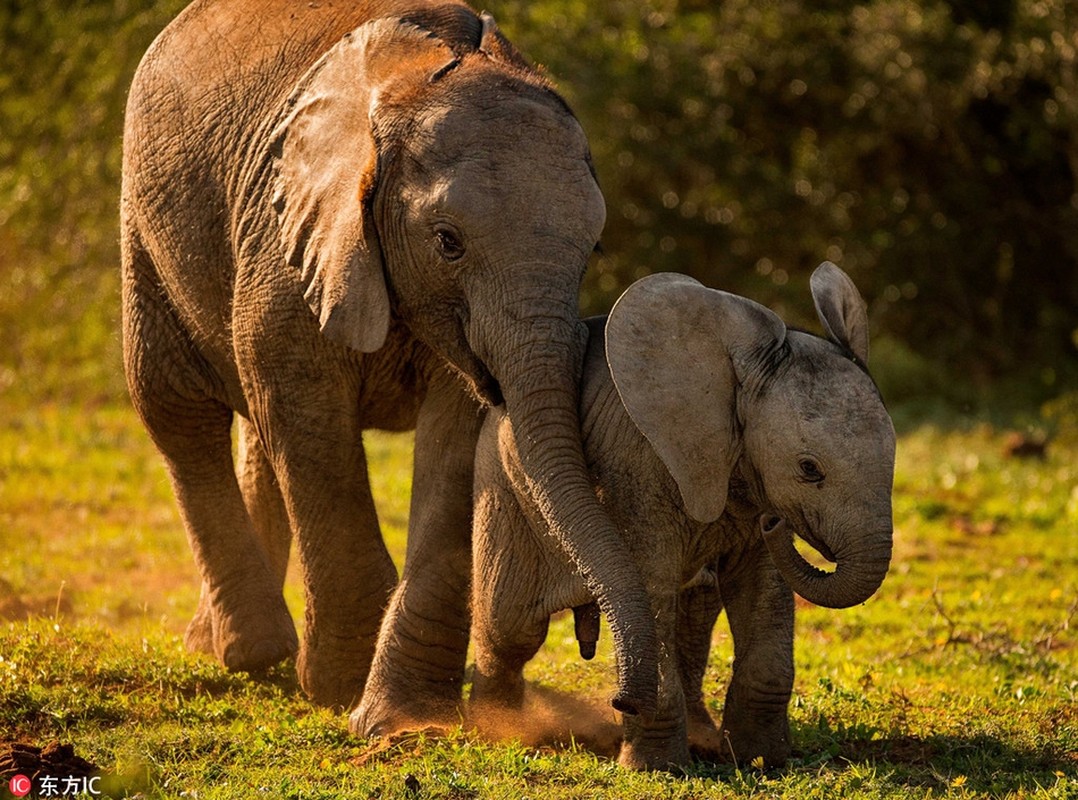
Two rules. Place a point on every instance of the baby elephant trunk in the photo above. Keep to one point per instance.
(859, 570)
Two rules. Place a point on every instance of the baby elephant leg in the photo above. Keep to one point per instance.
(699, 606)
(509, 624)
(660, 741)
(760, 609)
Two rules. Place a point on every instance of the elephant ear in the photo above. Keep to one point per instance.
(841, 309)
(497, 47)
(678, 353)
(326, 163)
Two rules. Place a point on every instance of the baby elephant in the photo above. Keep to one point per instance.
(713, 432)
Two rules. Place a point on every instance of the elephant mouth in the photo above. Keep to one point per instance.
(815, 543)
(482, 383)
(488, 389)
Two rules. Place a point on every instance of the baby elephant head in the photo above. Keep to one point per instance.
(722, 388)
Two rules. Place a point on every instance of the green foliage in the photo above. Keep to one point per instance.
(64, 72)
(927, 148)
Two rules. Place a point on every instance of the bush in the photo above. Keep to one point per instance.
(930, 149)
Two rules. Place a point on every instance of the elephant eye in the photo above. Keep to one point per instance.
(810, 471)
(448, 243)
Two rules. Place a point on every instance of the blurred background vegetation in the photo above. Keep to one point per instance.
(929, 148)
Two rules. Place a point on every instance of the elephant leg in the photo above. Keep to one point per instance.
(265, 505)
(348, 577)
(509, 623)
(699, 606)
(242, 619)
(418, 669)
(660, 741)
(348, 574)
(760, 609)
(306, 403)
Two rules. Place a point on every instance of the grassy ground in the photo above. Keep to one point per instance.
(959, 679)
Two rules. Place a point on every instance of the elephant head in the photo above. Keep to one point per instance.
(723, 391)
(425, 175)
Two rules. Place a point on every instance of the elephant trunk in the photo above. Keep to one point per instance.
(858, 573)
(540, 381)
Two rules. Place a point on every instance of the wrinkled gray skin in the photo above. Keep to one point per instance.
(342, 216)
(713, 427)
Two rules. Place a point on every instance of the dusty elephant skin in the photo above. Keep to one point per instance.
(708, 427)
(341, 216)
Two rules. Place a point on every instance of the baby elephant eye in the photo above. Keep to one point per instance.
(810, 471)
(449, 244)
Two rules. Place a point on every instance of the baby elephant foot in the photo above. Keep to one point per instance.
(497, 689)
(705, 740)
(745, 741)
(248, 639)
(655, 744)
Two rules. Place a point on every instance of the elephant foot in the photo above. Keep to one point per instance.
(244, 641)
(409, 700)
(665, 757)
(705, 740)
(500, 689)
(376, 716)
(655, 744)
(416, 678)
(333, 669)
(744, 744)
(198, 638)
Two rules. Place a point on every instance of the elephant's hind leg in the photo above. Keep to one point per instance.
(699, 606)
(265, 505)
(243, 619)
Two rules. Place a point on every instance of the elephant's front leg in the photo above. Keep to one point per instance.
(311, 435)
(511, 577)
(760, 609)
(660, 741)
(347, 572)
(418, 670)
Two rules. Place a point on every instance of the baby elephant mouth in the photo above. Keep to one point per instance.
(770, 522)
(816, 544)
(856, 576)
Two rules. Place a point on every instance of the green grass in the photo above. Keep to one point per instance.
(960, 678)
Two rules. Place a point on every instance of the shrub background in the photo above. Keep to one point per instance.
(928, 148)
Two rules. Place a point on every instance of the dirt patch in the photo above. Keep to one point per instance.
(549, 718)
(54, 760)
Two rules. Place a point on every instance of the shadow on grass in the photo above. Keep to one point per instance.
(979, 763)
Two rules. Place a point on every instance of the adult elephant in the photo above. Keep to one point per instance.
(397, 169)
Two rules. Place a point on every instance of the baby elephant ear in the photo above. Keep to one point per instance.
(841, 309)
(677, 353)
